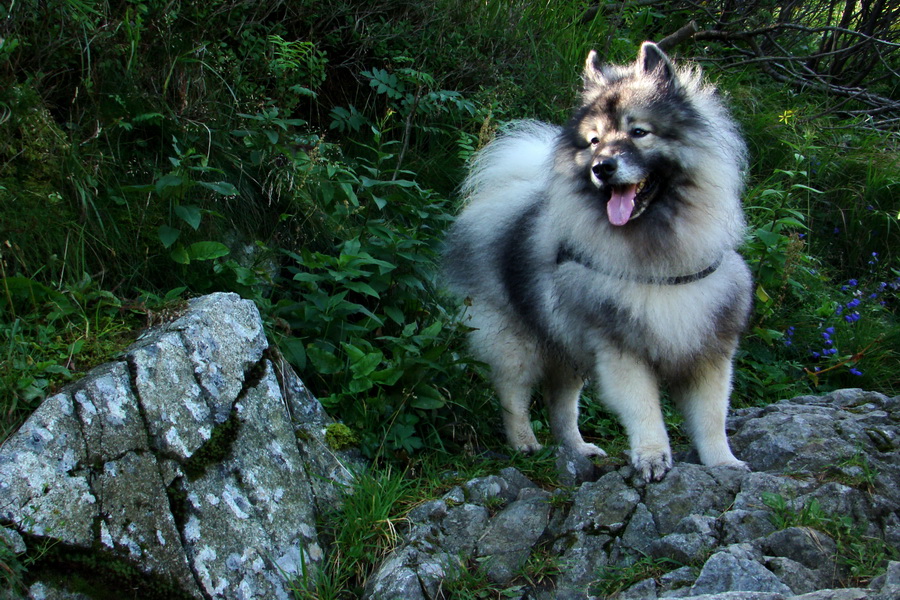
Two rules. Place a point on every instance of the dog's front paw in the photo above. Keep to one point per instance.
(528, 448)
(652, 463)
(588, 450)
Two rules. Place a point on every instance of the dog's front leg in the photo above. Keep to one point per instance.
(703, 400)
(630, 389)
(562, 390)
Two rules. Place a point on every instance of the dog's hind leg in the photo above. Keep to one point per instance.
(631, 390)
(516, 366)
(703, 400)
(515, 401)
(562, 390)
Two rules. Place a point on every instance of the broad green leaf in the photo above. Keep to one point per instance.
(174, 293)
(207, 250)
(362, 288)
(180, 255)
(395, 314)
(349, 193)
(220, 187)
(388, 376)
(323, 361)
(190, 214)
(769, 238)
(367, 364)
(358, 385)
(168, 181)
(355, 354)
(432, 330)
(59, 369)
(294, 352)
(309, 277)
(168, 235)
(427, 398)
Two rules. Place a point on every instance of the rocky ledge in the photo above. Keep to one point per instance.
(815, 519)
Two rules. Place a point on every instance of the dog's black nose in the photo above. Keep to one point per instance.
(606, 168)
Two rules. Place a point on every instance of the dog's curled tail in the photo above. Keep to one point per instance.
(520, 154)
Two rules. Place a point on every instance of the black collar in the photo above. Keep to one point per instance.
(566, 254)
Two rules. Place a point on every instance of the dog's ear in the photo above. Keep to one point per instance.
(593, 71)
(653, 61)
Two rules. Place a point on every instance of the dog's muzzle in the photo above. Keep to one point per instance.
(630, 190)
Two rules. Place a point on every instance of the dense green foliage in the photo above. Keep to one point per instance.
(305, 155)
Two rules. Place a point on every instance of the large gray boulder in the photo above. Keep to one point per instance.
(823, 466)
(183, 466)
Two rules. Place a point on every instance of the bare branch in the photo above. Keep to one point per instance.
(673, 39)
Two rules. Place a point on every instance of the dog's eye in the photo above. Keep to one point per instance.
(637, 132)
(595, 141)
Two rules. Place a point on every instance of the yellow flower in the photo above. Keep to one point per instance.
(786, 116)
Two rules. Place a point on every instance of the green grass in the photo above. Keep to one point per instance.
(614, 579)
(50, 335)
(359, 533)
(863, 557)
(367, 525)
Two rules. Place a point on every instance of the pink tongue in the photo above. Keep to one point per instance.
(620, 204)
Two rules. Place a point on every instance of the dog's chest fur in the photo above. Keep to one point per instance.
(668, 326)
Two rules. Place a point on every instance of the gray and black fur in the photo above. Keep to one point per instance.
(605, 250)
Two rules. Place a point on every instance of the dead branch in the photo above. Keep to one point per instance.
(683, 34)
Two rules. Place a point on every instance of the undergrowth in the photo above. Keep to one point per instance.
(52, 334)
(315, 174)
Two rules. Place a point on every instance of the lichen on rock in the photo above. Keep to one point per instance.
(180, 463)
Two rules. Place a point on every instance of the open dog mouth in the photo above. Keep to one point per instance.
(627, 201)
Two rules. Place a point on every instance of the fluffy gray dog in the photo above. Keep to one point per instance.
(605, 250)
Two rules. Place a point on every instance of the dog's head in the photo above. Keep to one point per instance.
(635, 134)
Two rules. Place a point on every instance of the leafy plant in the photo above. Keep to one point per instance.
(542, 568)
(808, 332)
(362, 311)
(472, 583)
(175, 188)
